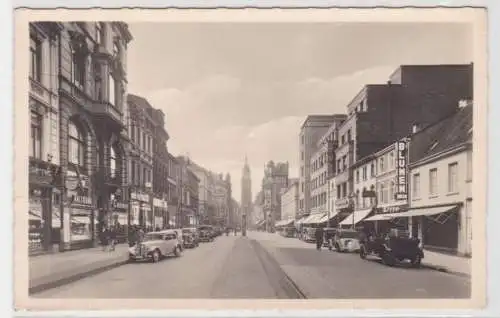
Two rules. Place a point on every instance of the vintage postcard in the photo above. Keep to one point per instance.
(253, 158)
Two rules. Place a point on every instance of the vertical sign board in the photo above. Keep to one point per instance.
(402, 170)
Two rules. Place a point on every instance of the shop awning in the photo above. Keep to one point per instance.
(355, 217)
(314, 218)
(285, 222)
(413, 212)
(34, 216)
(301, 220)
(325, 217)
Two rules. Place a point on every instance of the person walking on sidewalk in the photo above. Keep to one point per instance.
(112, 238)
(104, 238)
(319, 238)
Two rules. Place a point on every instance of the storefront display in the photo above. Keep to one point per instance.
(81, 224)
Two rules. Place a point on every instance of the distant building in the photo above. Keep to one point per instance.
(290, 200)
(246, 189)
(275, 179)
(313, 128)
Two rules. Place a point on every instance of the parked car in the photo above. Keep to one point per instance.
(346, 240)
(190, 237)
(206, 233)
(393, 248)
(155, 246)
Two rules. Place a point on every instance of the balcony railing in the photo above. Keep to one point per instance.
(105, 109)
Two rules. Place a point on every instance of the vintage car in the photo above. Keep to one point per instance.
(206, 233)
(190, 237)
(346, 240)
(393, 248)
(328, 236)
(156, 245)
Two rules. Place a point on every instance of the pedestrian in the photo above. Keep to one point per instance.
(104, 238)
(131, 236)
(140, 236)
(112, 238)
(319, 238)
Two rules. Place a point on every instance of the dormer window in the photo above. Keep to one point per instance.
(433, 145)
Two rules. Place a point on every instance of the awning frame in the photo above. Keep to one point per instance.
(352, 219)
(440, 217)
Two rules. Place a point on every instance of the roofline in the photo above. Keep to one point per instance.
(463, 146)
(311, 118)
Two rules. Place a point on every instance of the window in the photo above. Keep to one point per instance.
(145, 175)
(349, 135)
(35, 59)
(36, 136)
(76, 145)
(302, 171)
(385, 196)
(416, 186)
(302, 187)
(98, 82)
(391, 160)
(112, 90)
(116, 49)
(339, 168)
(357, 198)
(357, 175)
(392, 190)
(453, 177)
(344, 190)
(381, 164)
(132, 172)
(301, 155)
(78, 65)
(365, 168)
(132, 133)
(99, 33)
(112, 162)
(344, 163)
(433, 181)
(372, 170)
(469, 166)
(342, 140)
(303, 139)
(143, 141)
(338, 191)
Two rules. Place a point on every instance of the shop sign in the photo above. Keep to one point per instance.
(78, 199)
(139, 196)
(119, 205)
(402, 169)
(159, 203)
(392, 209)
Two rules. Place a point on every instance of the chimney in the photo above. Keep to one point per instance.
(415, 128)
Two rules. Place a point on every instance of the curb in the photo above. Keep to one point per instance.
(445, 270)
(72, 278)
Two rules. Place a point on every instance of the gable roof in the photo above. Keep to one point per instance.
(446, 134)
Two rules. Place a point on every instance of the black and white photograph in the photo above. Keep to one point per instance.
(250, 159)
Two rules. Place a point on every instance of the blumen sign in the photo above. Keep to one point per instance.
(402, 170)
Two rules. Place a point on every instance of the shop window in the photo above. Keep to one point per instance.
(453, 177)
(36, 136)
(35, 59)
(76, 145)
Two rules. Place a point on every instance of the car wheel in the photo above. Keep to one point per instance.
(156, 256)
(416, 261)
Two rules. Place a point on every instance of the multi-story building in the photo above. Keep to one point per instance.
(221, 198)
(434, 173)
(173, 190)
(160, 170)
(381, 114)
(142, 132)
(44, 186)
(313, 128)
(290, 200)
(92, 76)
(187, 212)
(275, 179)
(246, 189)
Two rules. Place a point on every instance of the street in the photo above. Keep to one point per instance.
(255, 267)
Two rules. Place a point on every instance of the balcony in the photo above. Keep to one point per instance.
(101, 52)
(106, 111)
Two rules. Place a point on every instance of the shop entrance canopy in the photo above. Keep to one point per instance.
(416, 212)
(355, 217)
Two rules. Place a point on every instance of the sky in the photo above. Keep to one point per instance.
(230, 90)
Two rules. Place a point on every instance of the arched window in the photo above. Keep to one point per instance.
(76, 145)
(112, 161)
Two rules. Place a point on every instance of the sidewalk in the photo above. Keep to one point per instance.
(52, 270)
(447, 263)
(442, 262)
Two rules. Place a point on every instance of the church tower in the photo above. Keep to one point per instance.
(246, 190)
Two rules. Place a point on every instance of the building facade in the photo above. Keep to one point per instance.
(44, 164)
(142, 132)
(187, 212)
(174, 191)
(290, 201)
(379, 115)
(275, 180)
(93, 120)
(160, 180)
(313, 128)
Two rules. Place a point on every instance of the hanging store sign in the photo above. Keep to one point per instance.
(402, 170)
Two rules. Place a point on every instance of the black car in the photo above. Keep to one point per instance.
(393, 248)
(190, 237)
(206, 233)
